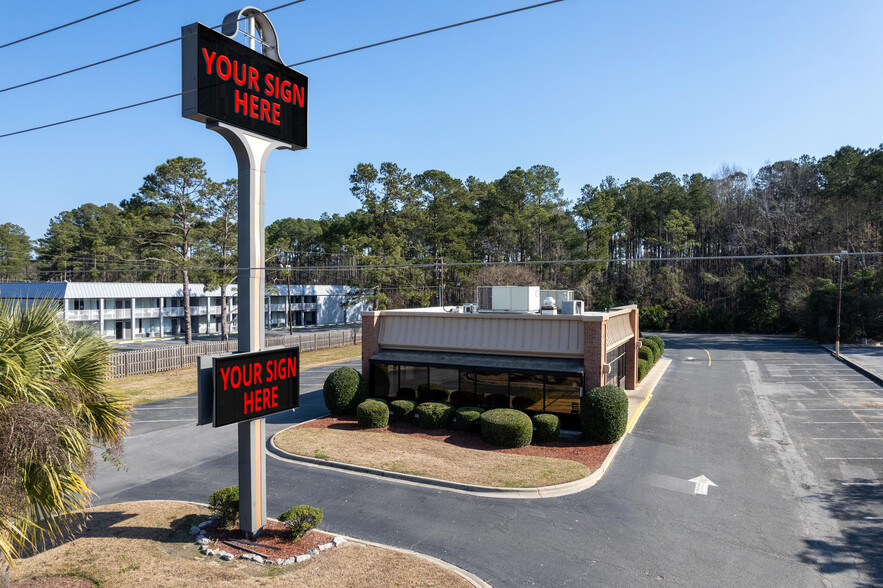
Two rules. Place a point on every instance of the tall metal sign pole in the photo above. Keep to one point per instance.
(258, 105)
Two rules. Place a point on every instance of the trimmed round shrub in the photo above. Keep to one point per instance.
(548, 428)
(344, 390)
(643, 368)
(432, 393)
(468, 418)
(435, 415)
(646, 353)
(300, 519)
(659, 343)
(604, 412)
(506, 427)
(372, 414)
(402, 410)
(225, 504)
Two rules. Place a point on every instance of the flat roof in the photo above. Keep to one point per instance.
(480, 360)
(451, 311)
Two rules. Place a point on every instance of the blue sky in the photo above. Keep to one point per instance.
(592, 88)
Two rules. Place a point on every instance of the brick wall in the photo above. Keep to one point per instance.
(631, 354)
(594, 355)
(370, 336)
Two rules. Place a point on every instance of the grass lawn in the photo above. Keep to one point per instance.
(433, 458)
(139, 389)
(147, 544)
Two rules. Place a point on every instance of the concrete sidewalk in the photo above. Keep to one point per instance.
(866, 359)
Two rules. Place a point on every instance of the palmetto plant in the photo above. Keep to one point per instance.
(55, 409)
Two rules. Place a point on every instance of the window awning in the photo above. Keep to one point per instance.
(556, 365)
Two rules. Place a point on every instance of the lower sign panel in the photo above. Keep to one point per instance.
(254, 385)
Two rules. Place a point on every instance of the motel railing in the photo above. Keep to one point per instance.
(151, 361)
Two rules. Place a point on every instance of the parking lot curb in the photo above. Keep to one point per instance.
(844, 358)
(645, 390)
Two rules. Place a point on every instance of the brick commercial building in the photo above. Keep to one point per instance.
(525, 360)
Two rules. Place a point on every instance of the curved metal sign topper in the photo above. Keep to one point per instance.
(230, 82)
(266, 30)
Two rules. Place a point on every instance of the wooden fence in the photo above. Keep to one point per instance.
(151, 361)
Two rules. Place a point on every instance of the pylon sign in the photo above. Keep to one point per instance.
(223, 80)
(253, 385)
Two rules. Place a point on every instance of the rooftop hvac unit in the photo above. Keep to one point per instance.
(560, 296)
(508, 298)
(470, 308)
(572, 307)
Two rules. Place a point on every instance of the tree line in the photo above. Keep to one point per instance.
(430, 238)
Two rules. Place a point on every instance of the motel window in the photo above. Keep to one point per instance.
(78, 304)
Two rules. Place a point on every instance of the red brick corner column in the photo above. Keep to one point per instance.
(594, 352)
(370, 337)
(631, 354)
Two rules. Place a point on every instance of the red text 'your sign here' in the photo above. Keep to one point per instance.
(223, 80)
(252, 385)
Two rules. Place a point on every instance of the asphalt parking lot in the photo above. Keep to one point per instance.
(789, 436)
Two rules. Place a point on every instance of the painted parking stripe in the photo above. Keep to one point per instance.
(165, 421)
(847, 438)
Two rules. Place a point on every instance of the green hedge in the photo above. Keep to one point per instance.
(300, 519)
(468, 418)
(373, 414)
(647, 353)
(604, 413)
(643, 368)
(506, 427)
(548, 428)
(435, 415)
(653, 347)
(402, 410)
(225, 503)
(344, 390)
(659, 343)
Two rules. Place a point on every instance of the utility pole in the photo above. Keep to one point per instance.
(290, 326)
(839, 259)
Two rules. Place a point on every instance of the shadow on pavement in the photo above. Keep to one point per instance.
(862, 548)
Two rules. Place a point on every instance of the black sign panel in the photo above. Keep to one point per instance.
(253, 385)
(224, 80)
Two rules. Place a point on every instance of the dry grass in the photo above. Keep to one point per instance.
(139, 389)
(433, 459)
(141, 544)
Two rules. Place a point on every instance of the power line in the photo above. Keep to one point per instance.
(121, 56)
(477, 263)
(411, 36)
(293, 65)
(94, 114)
(73, 22)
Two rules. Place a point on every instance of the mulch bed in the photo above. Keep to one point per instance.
(274, 534)
(591, 455)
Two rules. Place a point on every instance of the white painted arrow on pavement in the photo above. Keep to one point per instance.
(702, 484)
